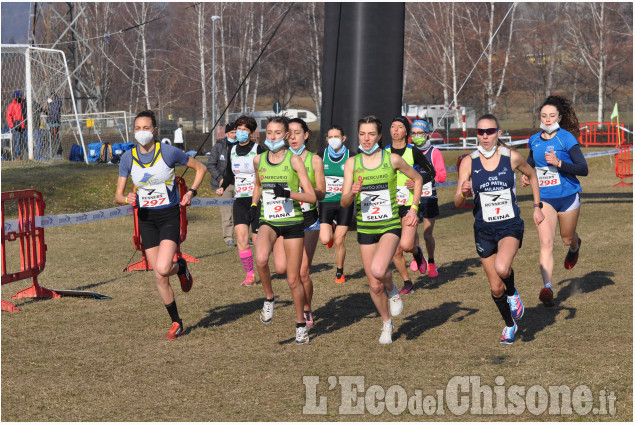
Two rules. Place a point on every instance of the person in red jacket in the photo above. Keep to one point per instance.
(17, 124)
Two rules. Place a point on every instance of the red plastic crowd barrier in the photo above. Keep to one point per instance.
(601, 134)
(466, 204)
(136, 238)
(31, 245)
(624, 165)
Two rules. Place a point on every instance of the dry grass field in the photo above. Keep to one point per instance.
(80, 359)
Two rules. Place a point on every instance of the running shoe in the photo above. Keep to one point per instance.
(302, 335)
(250, 280)
(423, 266)
(407, 288)
(309, 319)
(340, 279)
(508, 334)
(394, 299)
(266, 314)
(185, 277)
(572, 257)
(546, 296)
(386, 333)
(175, 330)
(413, 266)
(432, 270)
(516, 305)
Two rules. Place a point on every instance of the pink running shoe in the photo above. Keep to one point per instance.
(413, 266)
(432, 270)
(250, 280)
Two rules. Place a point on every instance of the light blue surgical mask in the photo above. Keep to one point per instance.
(299, 151)
(242, 136)
(371, 150)
(273, 146)
(231, 140)
(336, 155)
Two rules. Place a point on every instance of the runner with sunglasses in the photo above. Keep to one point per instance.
(489, 174)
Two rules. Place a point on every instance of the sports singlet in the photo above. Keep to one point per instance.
(377, 209)
(244, 173)
(404, 195)
(308, 164)
(334, 176)
(494, 191)
(154, 181)
(279, 211)
(429, 190)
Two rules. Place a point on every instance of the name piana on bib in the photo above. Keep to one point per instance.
(276, 208)
(497, 205)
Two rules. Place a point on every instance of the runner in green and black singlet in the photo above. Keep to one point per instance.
(298, 136)
(370, 178)
(279, 177)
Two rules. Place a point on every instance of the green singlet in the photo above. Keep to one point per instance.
(280, 211)
(334, 176)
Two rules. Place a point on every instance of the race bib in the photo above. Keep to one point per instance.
(548, 176)
(334, 184)
(427, 190)
(375, 205)
(244, 186)
(402, 195)
(304, 206)
(278, 208)
(153, 196)
(497, 205)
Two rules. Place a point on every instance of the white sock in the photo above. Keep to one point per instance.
(548, 285)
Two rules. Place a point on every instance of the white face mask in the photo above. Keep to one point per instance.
(551, 128)
(49, 100)
(144, 137)
(487, 154)
(335, 143)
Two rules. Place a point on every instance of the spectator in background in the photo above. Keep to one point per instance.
(54, 112)
(216, 165)
(17, 123)
(178, 138)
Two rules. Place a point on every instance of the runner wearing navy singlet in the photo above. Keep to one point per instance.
(488, 173)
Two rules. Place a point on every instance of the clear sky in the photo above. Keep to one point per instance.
(15, 21)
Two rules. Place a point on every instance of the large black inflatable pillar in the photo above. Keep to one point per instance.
(363, 65)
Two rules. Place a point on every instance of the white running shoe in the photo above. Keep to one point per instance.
(301, 335)
(266, 314)
(386, 333)
(394, 299)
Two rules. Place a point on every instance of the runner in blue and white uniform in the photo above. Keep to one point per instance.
(488, 173)
(558, 159)
(151, 166)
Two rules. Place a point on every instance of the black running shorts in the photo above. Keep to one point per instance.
(428, 208)
(373, 238)
(330, 211)
(287, 232)
(487, 235)
(156, 225)
(241, 213)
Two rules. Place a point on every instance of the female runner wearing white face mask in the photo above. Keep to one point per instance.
(370, 178)
(334, 219)
(298, 136)
(151, 166)
(556, 154)
(279, 176)
(489, 173)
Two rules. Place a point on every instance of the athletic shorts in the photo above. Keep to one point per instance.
(428, 208)
(311, 220)
(287, 232)
(568, 203)
(403, 210)
(241, 213)
(487, 235)
(330, 211)
(156, 225)
(373, 238)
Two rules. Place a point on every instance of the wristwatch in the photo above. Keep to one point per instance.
(538, 205)
(194, 192)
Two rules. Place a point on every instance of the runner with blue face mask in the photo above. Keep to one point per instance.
(240, 172)
(370, 179)
(281, 184)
